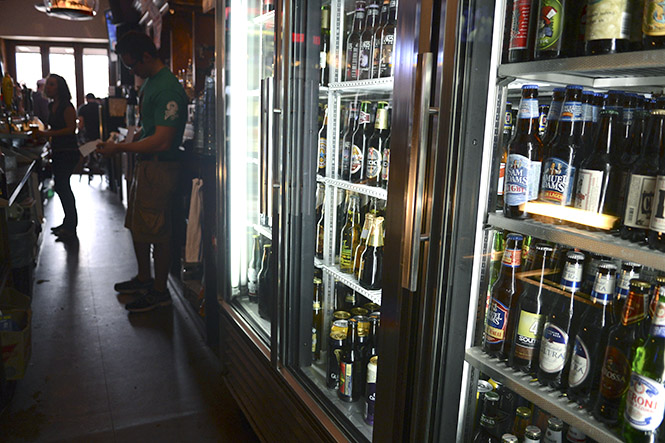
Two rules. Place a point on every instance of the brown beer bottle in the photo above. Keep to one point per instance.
(503, 302)
(350, 236)
(371, 261)
(350, 374)
(622, 341)
(317, 320)
(558, 95)
(530, 316)
(364, 237)
(525, 154)
(375, 146)
(353, 43)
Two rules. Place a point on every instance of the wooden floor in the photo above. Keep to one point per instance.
(99, 374)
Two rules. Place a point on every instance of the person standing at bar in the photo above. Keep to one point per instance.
(163, 111)
(64, 150)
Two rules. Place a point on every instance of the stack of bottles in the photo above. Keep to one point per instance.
(597, 340)
(204, 119)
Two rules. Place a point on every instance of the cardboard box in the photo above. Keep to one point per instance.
(16, 344)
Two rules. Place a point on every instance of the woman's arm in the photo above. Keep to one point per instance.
(70, 128)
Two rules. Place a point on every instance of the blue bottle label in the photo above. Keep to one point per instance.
(579, 363)
(557, 184)
(555, 111)
(497, 320)
(571, 112)
(521, 180)
(553, 348)
(528, 108)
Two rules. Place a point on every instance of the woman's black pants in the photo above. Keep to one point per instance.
(64, 164)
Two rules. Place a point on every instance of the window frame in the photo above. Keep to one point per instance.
(45, 47)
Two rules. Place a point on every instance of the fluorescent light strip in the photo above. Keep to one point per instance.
(575, 215)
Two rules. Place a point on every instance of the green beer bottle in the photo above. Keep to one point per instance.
(644, 403)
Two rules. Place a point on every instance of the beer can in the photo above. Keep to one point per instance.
(359, 311)
(483, 387)
(341, 315)
(370, 389)
(340, 326)
(335, 344)
(372, 307)
(363, 325)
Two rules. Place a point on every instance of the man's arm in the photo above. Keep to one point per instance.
(160, 141)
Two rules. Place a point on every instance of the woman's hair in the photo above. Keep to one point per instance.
(63, 90)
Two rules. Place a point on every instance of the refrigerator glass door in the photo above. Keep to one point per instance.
(250, 153)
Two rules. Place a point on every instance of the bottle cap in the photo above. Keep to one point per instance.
(575, 256)
(491, 396)
(523, 412)
(631, 265)
(530, 87)
(640, 285)
(555, 424)
(574, 88)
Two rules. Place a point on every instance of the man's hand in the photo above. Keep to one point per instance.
(107, 148)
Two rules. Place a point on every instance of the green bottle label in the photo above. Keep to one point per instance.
(550, 24)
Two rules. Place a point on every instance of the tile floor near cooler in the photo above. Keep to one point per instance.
(99, 374)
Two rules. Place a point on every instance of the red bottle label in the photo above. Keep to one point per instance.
(519, 32)
(512, 257)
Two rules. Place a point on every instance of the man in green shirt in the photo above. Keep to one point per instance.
(163, 109)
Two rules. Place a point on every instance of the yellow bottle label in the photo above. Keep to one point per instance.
(653, 23)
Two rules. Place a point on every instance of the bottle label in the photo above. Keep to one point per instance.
(497, 320)
(534, 180)
(555, 111)
(528, 109)
(658, 321)
(608, 19)
(512, 258)
(352, 54)
(373, 163)
(517, 180)
(346, 379)
(356, 159)
(519, 34)
(634, 310)
(653, 23)
(571, 280)
(589, 187)
(508, 122)
(579, 363)
(527, 335)
(385, 165)
(502, 176)
(571, 112)
(657, 222)
(314, 340)
(587, 112)
(363, 118)
(365, 54)
(346, 157)
(553, 348)
(638, 202)
(623, 284)
(322, 153)
(550, 24)
(542, 123)
(251, 281)
(614, 374)
(557, 185)
(386, 66)
(645, 403)
(603, 288)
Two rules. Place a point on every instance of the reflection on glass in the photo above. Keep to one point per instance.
(249, 146)
(61, 61)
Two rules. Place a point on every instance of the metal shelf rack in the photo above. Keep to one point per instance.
(370, 191)
(348, 280)
(548, 399)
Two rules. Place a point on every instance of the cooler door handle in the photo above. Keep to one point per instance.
(416, 178)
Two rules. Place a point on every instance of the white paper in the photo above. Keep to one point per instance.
(89, 147)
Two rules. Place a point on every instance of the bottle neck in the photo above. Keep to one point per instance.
(634, 310)
(605, 135)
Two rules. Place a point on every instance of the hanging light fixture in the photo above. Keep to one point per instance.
(70, 9)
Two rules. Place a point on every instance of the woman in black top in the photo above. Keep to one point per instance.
(64, 149)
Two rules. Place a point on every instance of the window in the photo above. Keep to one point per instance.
(28, 66)
(95, 71)
(62, 63)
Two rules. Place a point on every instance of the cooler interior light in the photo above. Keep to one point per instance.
(574, 215)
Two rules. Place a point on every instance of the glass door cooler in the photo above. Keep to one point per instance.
(549, 281)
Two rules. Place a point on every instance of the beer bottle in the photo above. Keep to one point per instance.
(496, 256)
(376, 39)
(374, 160)
(265, 284)
(385, 165)
(347, 142)
(522, 420)
(551, 28)
(362, 245)
(253, 269)
(505, 141)
(608, 27)
(353, 43)
(323, 144)
(370, 390)
(543, 110)
(643, 404)
(622, 341)
(321, 231)
(366, 40)
(554, 433)
(630, 152)
(498, 331)
(350, 236)
(350, 379)
(588, 125)
(629, 108)
(359, 144)
(324, 49)
(509, 438)
(532, 434)
(524, 157)
(488, 419)
(556, 332)
(642, 182)
(653, 304)
(317, 320)
(558, 177)
(343, 198)
(591, 337)
(388, 37)
(335, 345)
(657, 222)
(558, 95)
(371, 261)
(597, 180)
(629, 271)
(530, 312)
(653, 26)
(522, 28)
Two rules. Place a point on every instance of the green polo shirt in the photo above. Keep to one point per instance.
(164, 103)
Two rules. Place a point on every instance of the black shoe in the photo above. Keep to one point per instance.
(55, 229)
(133, 286)
(152, 300)
(64, 233)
